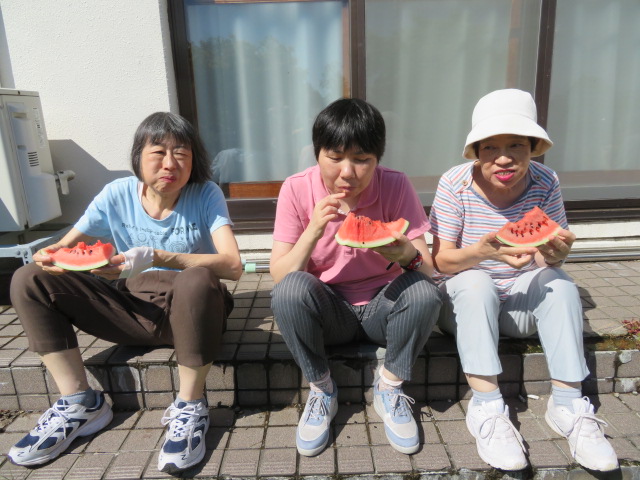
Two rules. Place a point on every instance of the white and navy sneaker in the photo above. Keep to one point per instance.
(184, 444)
(585, 433)
(312, 434)
(57, 428)
(394, 408)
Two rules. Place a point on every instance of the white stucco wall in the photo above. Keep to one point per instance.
(100, 67)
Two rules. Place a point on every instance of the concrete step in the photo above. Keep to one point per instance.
(255, 368)
(257, 389)
(261, 375)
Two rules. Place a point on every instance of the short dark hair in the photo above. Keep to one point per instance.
(349, 123)
(532, 140)
(162, 125)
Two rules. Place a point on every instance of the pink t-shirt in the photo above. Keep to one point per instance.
(356, 273)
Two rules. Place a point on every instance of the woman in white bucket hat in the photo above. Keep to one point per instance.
(491, 289)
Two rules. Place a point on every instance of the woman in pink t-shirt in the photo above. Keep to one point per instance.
(328, 294)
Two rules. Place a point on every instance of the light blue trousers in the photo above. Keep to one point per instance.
(544, 300)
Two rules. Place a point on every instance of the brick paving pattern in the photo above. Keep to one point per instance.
(257, 390)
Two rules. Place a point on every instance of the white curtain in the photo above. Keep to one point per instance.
(262, 72)
(428, 63)
(594, 110)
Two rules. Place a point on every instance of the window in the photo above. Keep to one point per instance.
(429, 61)
(252, 75)
(261, 72)
(594, 106)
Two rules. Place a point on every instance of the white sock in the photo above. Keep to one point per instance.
(565, 396)
(488, 397)
(86, 398)
(324, 384)
(386, 384)
(178, 401)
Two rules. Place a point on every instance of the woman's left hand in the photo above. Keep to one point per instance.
(112, 270)
(127, 264)
(557, 248)
(401, 251)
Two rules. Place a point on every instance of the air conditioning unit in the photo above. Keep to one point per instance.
(28, 188)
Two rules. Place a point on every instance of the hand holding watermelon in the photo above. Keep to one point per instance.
(42, 258)
(136, 260)
(557, 249)
(489, 247)
(57, 259)
(400, 251)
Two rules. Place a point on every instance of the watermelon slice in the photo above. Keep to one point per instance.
(533, 230)
(362, 232)
(83, 257)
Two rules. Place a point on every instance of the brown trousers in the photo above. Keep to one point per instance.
(186, 309)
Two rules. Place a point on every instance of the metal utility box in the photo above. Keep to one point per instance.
(28, 191)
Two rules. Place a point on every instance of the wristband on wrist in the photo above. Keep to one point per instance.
(559, 263)
(414, 264)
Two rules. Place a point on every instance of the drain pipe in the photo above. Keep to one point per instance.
(257, 265)
(261, 265)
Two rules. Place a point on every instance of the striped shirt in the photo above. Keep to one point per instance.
(460, 215)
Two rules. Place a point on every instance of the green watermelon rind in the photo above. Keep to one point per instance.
(531, 244)
(381, 242)
(83, 268)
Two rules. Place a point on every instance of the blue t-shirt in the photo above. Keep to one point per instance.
(117, 215)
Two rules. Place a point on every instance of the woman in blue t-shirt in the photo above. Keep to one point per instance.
(171, 226)
(492, 289)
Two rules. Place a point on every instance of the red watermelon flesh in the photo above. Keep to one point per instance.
(83, 257)
(533, 230)
(360, 231)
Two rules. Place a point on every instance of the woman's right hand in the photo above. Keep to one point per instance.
(517, 257)
(42, 259)
(324, 211)
(291, 257)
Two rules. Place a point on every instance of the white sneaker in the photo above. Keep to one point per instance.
(312, 434)
(585, 433)
(184, 444)
(498, 442)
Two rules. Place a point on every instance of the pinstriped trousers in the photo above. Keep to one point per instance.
(310, 315)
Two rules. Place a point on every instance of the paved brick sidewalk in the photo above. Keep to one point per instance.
(259, 442)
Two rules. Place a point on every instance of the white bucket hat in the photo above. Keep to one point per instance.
(502, 112)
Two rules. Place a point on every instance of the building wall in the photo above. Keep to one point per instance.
(100, 67)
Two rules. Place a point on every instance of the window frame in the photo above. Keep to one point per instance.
(253, 211)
